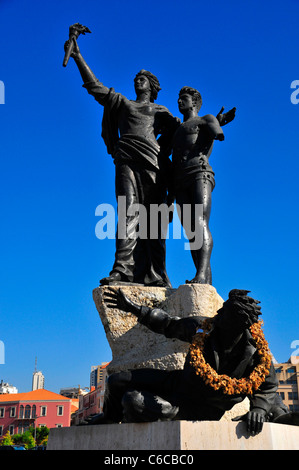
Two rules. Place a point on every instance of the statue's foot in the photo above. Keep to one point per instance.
(114, 277)
(197, 280)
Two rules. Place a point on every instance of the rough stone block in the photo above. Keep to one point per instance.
(133, 345)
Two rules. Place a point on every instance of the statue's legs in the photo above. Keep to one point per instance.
(125, 187)
(145, 395)
(150, 253)
(142, 406)
(198, 191)
(138, 256)
(140, 395)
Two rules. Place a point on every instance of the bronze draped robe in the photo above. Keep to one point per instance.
(142, 170)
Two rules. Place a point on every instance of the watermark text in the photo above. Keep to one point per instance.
(295, 95)
(2, 93)
(295, 354)
(2, 353)
(137, 221)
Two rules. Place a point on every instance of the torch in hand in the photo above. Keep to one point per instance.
(74, 32)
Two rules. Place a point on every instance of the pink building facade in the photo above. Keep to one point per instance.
(19, 411)
(92, 402)
(89, 404)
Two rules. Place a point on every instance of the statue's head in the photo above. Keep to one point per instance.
(239, 312)
(189, 96)
(146, 80)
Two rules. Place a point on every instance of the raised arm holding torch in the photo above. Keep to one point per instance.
(75, 31)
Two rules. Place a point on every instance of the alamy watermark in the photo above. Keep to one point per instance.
(295, 95)
(2, 93)
(2, 353)
(295, 354)
(137, 221)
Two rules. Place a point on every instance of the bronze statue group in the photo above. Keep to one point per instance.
(159, 159)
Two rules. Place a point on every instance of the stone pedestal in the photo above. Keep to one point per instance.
(133, 345)
(173, 436)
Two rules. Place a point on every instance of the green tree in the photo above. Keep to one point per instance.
(26, 439)
(7, 440)
(40, 434)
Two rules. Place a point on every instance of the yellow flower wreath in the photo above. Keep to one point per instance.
(229, 385)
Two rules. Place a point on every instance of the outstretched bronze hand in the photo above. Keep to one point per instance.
(118, 299)
(72, 46)
(226, 117)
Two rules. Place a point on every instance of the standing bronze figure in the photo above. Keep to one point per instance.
(130, 130)
(194, 178)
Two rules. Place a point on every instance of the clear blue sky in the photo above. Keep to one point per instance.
(55, 170)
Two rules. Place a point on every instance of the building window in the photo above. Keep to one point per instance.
(43, 411)
(293, 395)
(13, 412)
(59, 426)
(21, 412)
(291, 370)
(26, 426)
(282, 395)
(291, 381)
(278, 370)
(2, 411)
(1, 430)
(27, 411)
(60, 411)
(33, 414)
(11, 429)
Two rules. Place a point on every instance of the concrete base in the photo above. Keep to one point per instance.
(174, 435)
